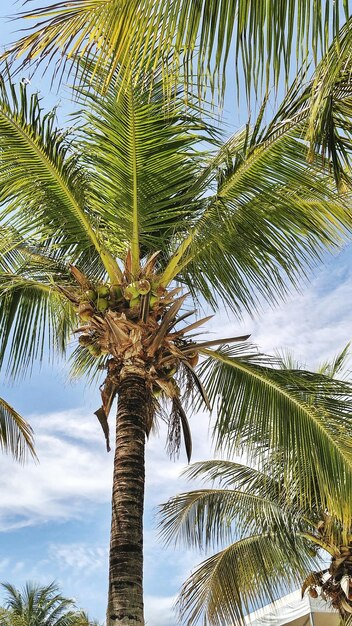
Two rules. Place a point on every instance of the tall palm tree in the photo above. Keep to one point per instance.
(259, 37)
(38, 605)
(270, 536)
(113, 230)
(16, 435)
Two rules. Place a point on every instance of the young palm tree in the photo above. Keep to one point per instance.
(259, 36)
(16, 436)
(39, 605)
(113, 230)
(270, 537)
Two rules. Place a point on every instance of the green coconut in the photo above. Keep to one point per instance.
(134, 302)
(85, 340)
(91, 295)
(153, 301)
(115, 292)
(131, 292)
(143, 287)
(102, 304)
(103, 291)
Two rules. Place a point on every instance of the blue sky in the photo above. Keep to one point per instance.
(55, 515)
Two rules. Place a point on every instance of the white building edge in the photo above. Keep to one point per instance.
(295, 611)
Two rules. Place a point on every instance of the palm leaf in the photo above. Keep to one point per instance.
(41, 188)
(144, 164)
(16, 435)
(240, 578)
(262, 408)
(133, 35)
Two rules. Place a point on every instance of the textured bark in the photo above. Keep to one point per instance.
(125, 607)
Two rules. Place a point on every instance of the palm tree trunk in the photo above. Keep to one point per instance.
(125, 605)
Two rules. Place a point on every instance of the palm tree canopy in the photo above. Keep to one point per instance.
(37, 605)
(228, 224)
(205, 35)
(268, 543)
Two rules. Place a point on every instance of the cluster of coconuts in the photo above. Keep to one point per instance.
(102, 297)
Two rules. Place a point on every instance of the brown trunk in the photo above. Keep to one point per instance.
(125, 606)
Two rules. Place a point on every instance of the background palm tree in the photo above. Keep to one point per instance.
(270, 536)
(16, 436)
(38, 605)
(104, 225)
(268, 542)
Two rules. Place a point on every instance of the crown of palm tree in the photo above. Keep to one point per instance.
(269, 542)
(37, 605)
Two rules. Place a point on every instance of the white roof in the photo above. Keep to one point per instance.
(293, 610)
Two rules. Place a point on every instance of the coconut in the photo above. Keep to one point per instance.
(102, 304)
(143, 287)
(115, 292)
(91, 295)
(85, 340)
(131, 291)
(153, 301)
(103, 291)
(134, 302)
(94, 349)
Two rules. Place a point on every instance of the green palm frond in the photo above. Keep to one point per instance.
(262, 554)
(51, 203)
(201, 36)
(16, 435)
(34, 315)
(37, 605)
(269, 219)
(144, 164)
(262, 408)
(240, 578)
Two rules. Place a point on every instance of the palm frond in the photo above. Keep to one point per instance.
(144, 163)
(264, 409)
(270, 218)
(42, 191)
(201, 36)
(34, 315)
(16, 435)
(240, 578)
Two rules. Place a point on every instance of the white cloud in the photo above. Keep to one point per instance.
(71, 472)
(159, 610)
(314, 324)
(82, 557)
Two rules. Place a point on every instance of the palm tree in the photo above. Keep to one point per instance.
(259, 37)
(16, 436)
(38, 605)
(268, 542)
(270, 537)
(113, 230)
